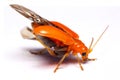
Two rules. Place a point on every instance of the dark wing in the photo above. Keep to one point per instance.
(29, 14)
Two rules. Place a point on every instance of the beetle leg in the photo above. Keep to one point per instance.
(27, 33)
(93, 59)
(48, 48)
(38, 52)
(79, 62)
(50, 51)
(62, 59)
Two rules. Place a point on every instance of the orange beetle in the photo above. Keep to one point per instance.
(58, 39)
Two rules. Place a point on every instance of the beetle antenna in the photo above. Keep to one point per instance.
(91, 47)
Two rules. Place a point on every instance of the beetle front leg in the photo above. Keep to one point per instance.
(93, 59)
(83, 61)
(79, 62)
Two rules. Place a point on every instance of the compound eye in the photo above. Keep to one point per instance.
(84, 54)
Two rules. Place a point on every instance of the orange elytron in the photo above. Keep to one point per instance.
(58, 39)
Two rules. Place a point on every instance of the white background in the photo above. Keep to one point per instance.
(87, 18)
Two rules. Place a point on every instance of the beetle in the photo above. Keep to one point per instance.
(57, 38)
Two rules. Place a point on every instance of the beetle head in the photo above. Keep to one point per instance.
(79, 47)
(84, 54)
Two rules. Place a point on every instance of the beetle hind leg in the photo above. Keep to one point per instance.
(38, 52)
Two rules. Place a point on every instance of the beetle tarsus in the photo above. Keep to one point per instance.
(79, 63)
(92, 59)
(38, 52)
(81, 67)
